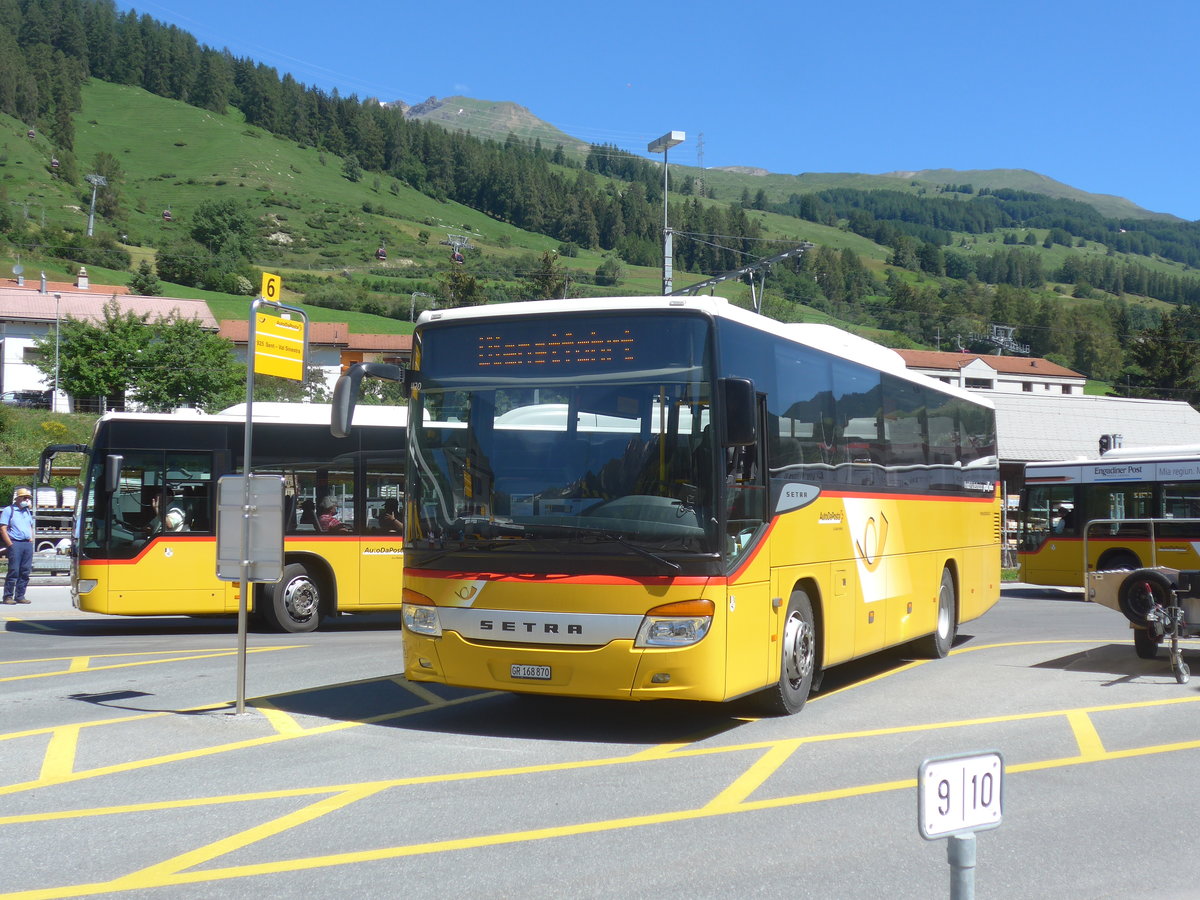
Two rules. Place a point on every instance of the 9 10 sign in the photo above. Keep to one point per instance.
(957, 794)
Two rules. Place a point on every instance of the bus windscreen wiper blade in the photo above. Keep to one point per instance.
(614, 536)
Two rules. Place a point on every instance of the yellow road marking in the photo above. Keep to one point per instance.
(1090, 745)
(36, 625)
(72, 669)
(134, 765)
(417, 690)
(177, 877)
(152, 876)
(60, 754)
(282, 722)
(752, 779)
(730, 800)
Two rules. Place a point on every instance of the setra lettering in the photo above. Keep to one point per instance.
(528, 627)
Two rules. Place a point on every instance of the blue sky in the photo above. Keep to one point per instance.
(1097, 94)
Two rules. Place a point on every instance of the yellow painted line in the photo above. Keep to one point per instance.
(752, 779)
(49, 659)
(147, 662)
(417, 690)
(282, 722)
(79, 663)
(1090, 745)
(152, 876)
(52, 729)
(60, 753)
(134, 765)
(169, 872)
(35, 625)
(538, 834)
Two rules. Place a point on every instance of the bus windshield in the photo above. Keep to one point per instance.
(599, 433)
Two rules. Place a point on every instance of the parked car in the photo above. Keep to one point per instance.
(27, 399)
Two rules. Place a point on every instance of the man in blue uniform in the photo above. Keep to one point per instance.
(16, 532)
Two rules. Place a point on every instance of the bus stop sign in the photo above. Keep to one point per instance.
(960, 794)
(263, 516)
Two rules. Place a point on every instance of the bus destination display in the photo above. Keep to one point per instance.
(525, 347)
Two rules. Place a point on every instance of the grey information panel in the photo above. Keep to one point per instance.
(265, 522)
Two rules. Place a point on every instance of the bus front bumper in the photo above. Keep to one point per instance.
(616, 671)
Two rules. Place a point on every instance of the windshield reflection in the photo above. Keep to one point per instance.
(590, 464)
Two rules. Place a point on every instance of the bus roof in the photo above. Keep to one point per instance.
(267, 411)
(1127, 455)
(826, 338)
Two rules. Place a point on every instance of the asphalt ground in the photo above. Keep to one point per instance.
(126, 773)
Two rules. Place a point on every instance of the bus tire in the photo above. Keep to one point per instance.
(1145, 644)
(1142, 591)
(798, 661)
(938, 644)
(1121, 559)
(294, 604)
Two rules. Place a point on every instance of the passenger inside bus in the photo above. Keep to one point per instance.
(1064, 520)
(388, 518)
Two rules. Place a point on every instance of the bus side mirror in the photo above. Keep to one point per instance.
(345, 391)
(46, 461)
(738, 402)
(112, 472)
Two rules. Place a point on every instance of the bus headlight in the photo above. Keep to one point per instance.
(86, 585)
(419, 614)
(676, 624)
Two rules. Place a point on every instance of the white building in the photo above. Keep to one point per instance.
(34, 311)
(1003, 374)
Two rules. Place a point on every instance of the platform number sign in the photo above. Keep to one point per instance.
(958, 794)
(272, 286)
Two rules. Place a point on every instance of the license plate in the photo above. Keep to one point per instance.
(537, 673)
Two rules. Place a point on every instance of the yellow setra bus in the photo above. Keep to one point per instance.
(646, 498)
(144, 540)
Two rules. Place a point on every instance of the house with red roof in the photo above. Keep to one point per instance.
(1003, 374)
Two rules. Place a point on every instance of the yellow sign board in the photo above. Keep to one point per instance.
(272, 287)
(279, 346)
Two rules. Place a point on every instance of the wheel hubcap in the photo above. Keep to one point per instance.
(300, 598)
(798, 650)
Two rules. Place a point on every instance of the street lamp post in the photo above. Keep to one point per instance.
(662, 145)
(54, 396)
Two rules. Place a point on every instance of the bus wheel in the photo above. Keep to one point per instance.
(938, 644)
(1145, 644)
(798, 663)
(294, 604)
(1122, 559)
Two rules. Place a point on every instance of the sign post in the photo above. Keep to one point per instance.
(277, 345)
(957, 796)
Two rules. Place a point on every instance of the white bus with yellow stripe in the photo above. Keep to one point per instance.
(648, 498)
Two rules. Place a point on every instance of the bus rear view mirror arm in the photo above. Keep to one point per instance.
(345, 391)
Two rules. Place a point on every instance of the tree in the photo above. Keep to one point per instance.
(548, 280)
(351, 168)
(462, 289)
(96, 360)
(144, 281)
(225, 226)
(609, 272)
(183, 364)
(1161, 365)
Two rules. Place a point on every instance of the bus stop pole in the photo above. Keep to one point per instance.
(960, 853)
(244, 583)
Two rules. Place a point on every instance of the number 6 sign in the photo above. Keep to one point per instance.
(272, 286)
(957, 794)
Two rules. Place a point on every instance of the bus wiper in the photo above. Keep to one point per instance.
(614, 536)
